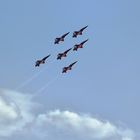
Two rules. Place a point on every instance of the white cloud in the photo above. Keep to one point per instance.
(15, 111)
(81, 126)
(8, 110)
(18, 120)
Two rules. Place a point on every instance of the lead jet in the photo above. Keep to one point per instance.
(65, 69)
(64, 54)
(76, 33)
(77, 46)
(58, 39)
(42, 61)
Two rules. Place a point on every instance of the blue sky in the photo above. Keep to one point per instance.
(104, 82)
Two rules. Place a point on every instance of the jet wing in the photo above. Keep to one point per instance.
(57, 40)
(37, 63)
(64, 69)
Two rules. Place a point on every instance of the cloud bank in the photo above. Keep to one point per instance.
(18, 119)
(15, 111)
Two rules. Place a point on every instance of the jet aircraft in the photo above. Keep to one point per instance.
(65, 69)
(76, 33)
(60, 39)
(64, 54)
(42, 61)
(77, 46)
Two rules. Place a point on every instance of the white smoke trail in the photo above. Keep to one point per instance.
(47, 84)
(30, 79)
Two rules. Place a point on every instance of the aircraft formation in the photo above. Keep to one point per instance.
(64, 54)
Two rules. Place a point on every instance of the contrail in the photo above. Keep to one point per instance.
(46, 85)
(30, 79)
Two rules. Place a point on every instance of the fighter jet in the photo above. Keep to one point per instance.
(64, 54)
(58, 39)
(76, 33)
(42, 61)
(65, 69)
(77, 46)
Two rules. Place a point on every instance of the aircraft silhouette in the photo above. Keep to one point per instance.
(65, 69)
(42, 61)
(60, 39)
(76, 33)
(64, 54)
(77, 46)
